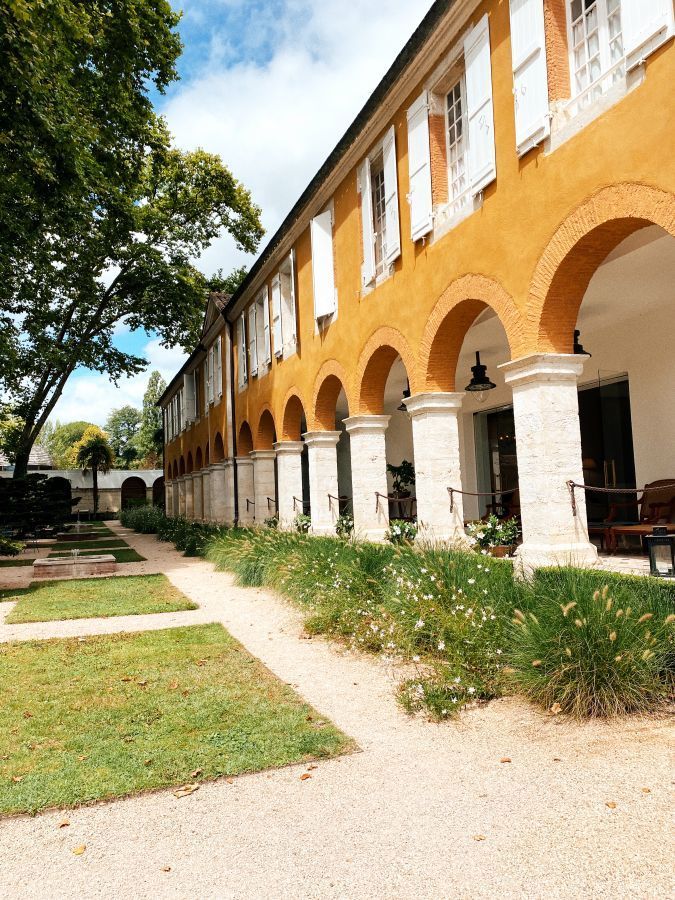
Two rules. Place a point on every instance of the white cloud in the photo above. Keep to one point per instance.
(275, 122)
(91, 396)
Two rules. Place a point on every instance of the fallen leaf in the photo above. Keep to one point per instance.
(479, 837)
(78, 851)
(142, 682)
(311, 768)
(147, 762)
(186, 790)
(646, 790)
(83, 757)
(196, 773)
(557, 759)
(166, 868)
(64, 823)
(610, 804)
(126, 678)
(230, 780)
(200, 662)
(17, 778)
(305, 776)
(505, 759)
(185, 693)
(27, 715)
(555, 709)
(173, 685)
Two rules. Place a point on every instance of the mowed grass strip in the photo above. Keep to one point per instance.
(88, 545)
(87, 598)
(108, 716)
(122, 555)
(15, 561)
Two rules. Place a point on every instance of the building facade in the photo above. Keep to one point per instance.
(507, 191)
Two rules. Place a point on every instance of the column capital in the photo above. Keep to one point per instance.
(217, 467)
(322, 438)
(554, 368)
(434, 403)
(367, 424)
(289, 448)
(263, 454)
(243, 461)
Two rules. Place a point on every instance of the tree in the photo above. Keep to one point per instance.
(94, 452)
(150, 440)
(128, 264)
(59, 441)
(122, 428)
(75, 112)
(227, 284)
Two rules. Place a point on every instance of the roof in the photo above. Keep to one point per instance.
(406, 56)
(39, 458)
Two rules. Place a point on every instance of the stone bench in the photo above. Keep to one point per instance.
(74, 566)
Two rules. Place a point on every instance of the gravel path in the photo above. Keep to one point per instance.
(401, 819)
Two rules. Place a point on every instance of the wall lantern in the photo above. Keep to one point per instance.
(579, 347)
(661, 547)
(480, 383)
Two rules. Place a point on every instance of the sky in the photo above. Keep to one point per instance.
(270, 86)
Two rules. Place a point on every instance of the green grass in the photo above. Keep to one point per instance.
(89, 598)
(15, 561)
(123, 555)
(89, 545)
(111, 716)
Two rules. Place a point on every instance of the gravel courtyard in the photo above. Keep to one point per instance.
(505, 802)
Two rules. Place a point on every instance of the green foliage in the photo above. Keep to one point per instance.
(146, 519)
(94, 452)
(344, 526)
(227, 284)
(401, 532)
(302, 523)
(122, 428)
(59, 441)
(9, 547)
(33, 503)
(403, 475)
(493, 532)
(150, 438)
(272, 522)
(190, 538)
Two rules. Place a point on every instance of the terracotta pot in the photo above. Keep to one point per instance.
(500, 552)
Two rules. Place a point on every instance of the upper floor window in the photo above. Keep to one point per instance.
(323, 265)
(457, 146)
(242, 363)
(379, 211)
(378, 184)
(284, 320)
(596, 47)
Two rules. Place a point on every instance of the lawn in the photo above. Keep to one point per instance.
(88, 598)
(15, 561)
(108, 716)
(122, 555)
(89, 545)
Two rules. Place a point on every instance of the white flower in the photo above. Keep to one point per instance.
(441, 645)
(471, 690)
(499, 652)
(419, 624)
(457, 680)
(416, 659)
(472, 580)
(454, 699)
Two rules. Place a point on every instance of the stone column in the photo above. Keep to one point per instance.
(435, 426)
(168, 498)
(175, 494)
(182, 491)
(245, 490)
(221, 484)
(206, 491)
(289, 477)
(323, 479)
(229, 492)
(546, 413)
(198, 496)
(369, 475)
(189, 498)
(264, 484)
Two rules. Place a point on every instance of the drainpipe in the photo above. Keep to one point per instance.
(230, 332)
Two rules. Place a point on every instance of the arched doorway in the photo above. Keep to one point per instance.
(158, 492)
(329, 450)
(133, 492)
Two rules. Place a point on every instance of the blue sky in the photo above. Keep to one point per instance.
(270, 85)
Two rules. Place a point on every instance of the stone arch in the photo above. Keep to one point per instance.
(189, 465)
(293, 413)
(455, 312)
(181, 466)
(576, 250)
(266, 433)
(219, 448)
(245, 441)
(374, 366)
(132, 492)
(175, 469)
(199, 459)
(207, 455)
(330, 382)
(158, 492)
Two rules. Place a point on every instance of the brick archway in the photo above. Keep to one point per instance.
(330, 382)
(292, 415)
(455, 312)
(245, 440)
(266, 433)
(577, 249)
(377, 358)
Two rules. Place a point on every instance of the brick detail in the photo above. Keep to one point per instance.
(266, 433)
(578, 247)
(245, 440)
(557, 51)
(66, 568)
(291, 414)
(439, 159)
(455, 312)
(374, 366)
(218, 448)
(330, 380)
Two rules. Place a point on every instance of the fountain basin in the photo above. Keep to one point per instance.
(74, 566)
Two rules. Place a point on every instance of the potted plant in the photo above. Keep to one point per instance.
(495, 536)
(403, 477)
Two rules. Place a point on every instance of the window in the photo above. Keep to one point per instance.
(457, 146)
(378, 184)
(379, 211)
(323, 265)
(262, 325)
(596, 47)
(242, 368)
(218, 368)
(284, 325)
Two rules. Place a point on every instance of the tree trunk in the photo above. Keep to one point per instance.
(21, 462)
(94, 473)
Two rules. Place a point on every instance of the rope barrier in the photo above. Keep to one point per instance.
(388, 497)
(304, 503)
(572, 486)
(453, 491)
(270, 500)
(249, 504)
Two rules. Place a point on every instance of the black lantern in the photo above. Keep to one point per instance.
(578, 346)
(480, 383)
(661, 546)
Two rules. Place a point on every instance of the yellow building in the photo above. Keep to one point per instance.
(509, 182)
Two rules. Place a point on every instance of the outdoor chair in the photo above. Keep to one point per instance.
(657, 507)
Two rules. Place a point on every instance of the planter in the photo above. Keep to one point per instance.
(501, 551)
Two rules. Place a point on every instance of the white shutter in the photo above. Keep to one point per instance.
(205, 382)
(393, 248)
(419, 168)
(211, 375)
(277, 333)
(530, 78)
(646, 24)
(266, 327)
(482, 160)
(219, 366)
(242, 373)
(292, 327)
(252, 340)
(190, 400)
(368, 270)
(323, 271)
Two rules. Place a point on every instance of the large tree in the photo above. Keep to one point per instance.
(122, 428)
(94, 453)
(76, 117)
(132, 266)
(150, 439)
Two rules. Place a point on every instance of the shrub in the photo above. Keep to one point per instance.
(189, 537)
(272, 522)
(144, 519)
(493, 532)
(8, 547)
(344, 526)
(592, 650)
(401, 532)
(302, 523)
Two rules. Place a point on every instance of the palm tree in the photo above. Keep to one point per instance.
(95, 453)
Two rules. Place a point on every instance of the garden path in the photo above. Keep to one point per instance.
(425, 810)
